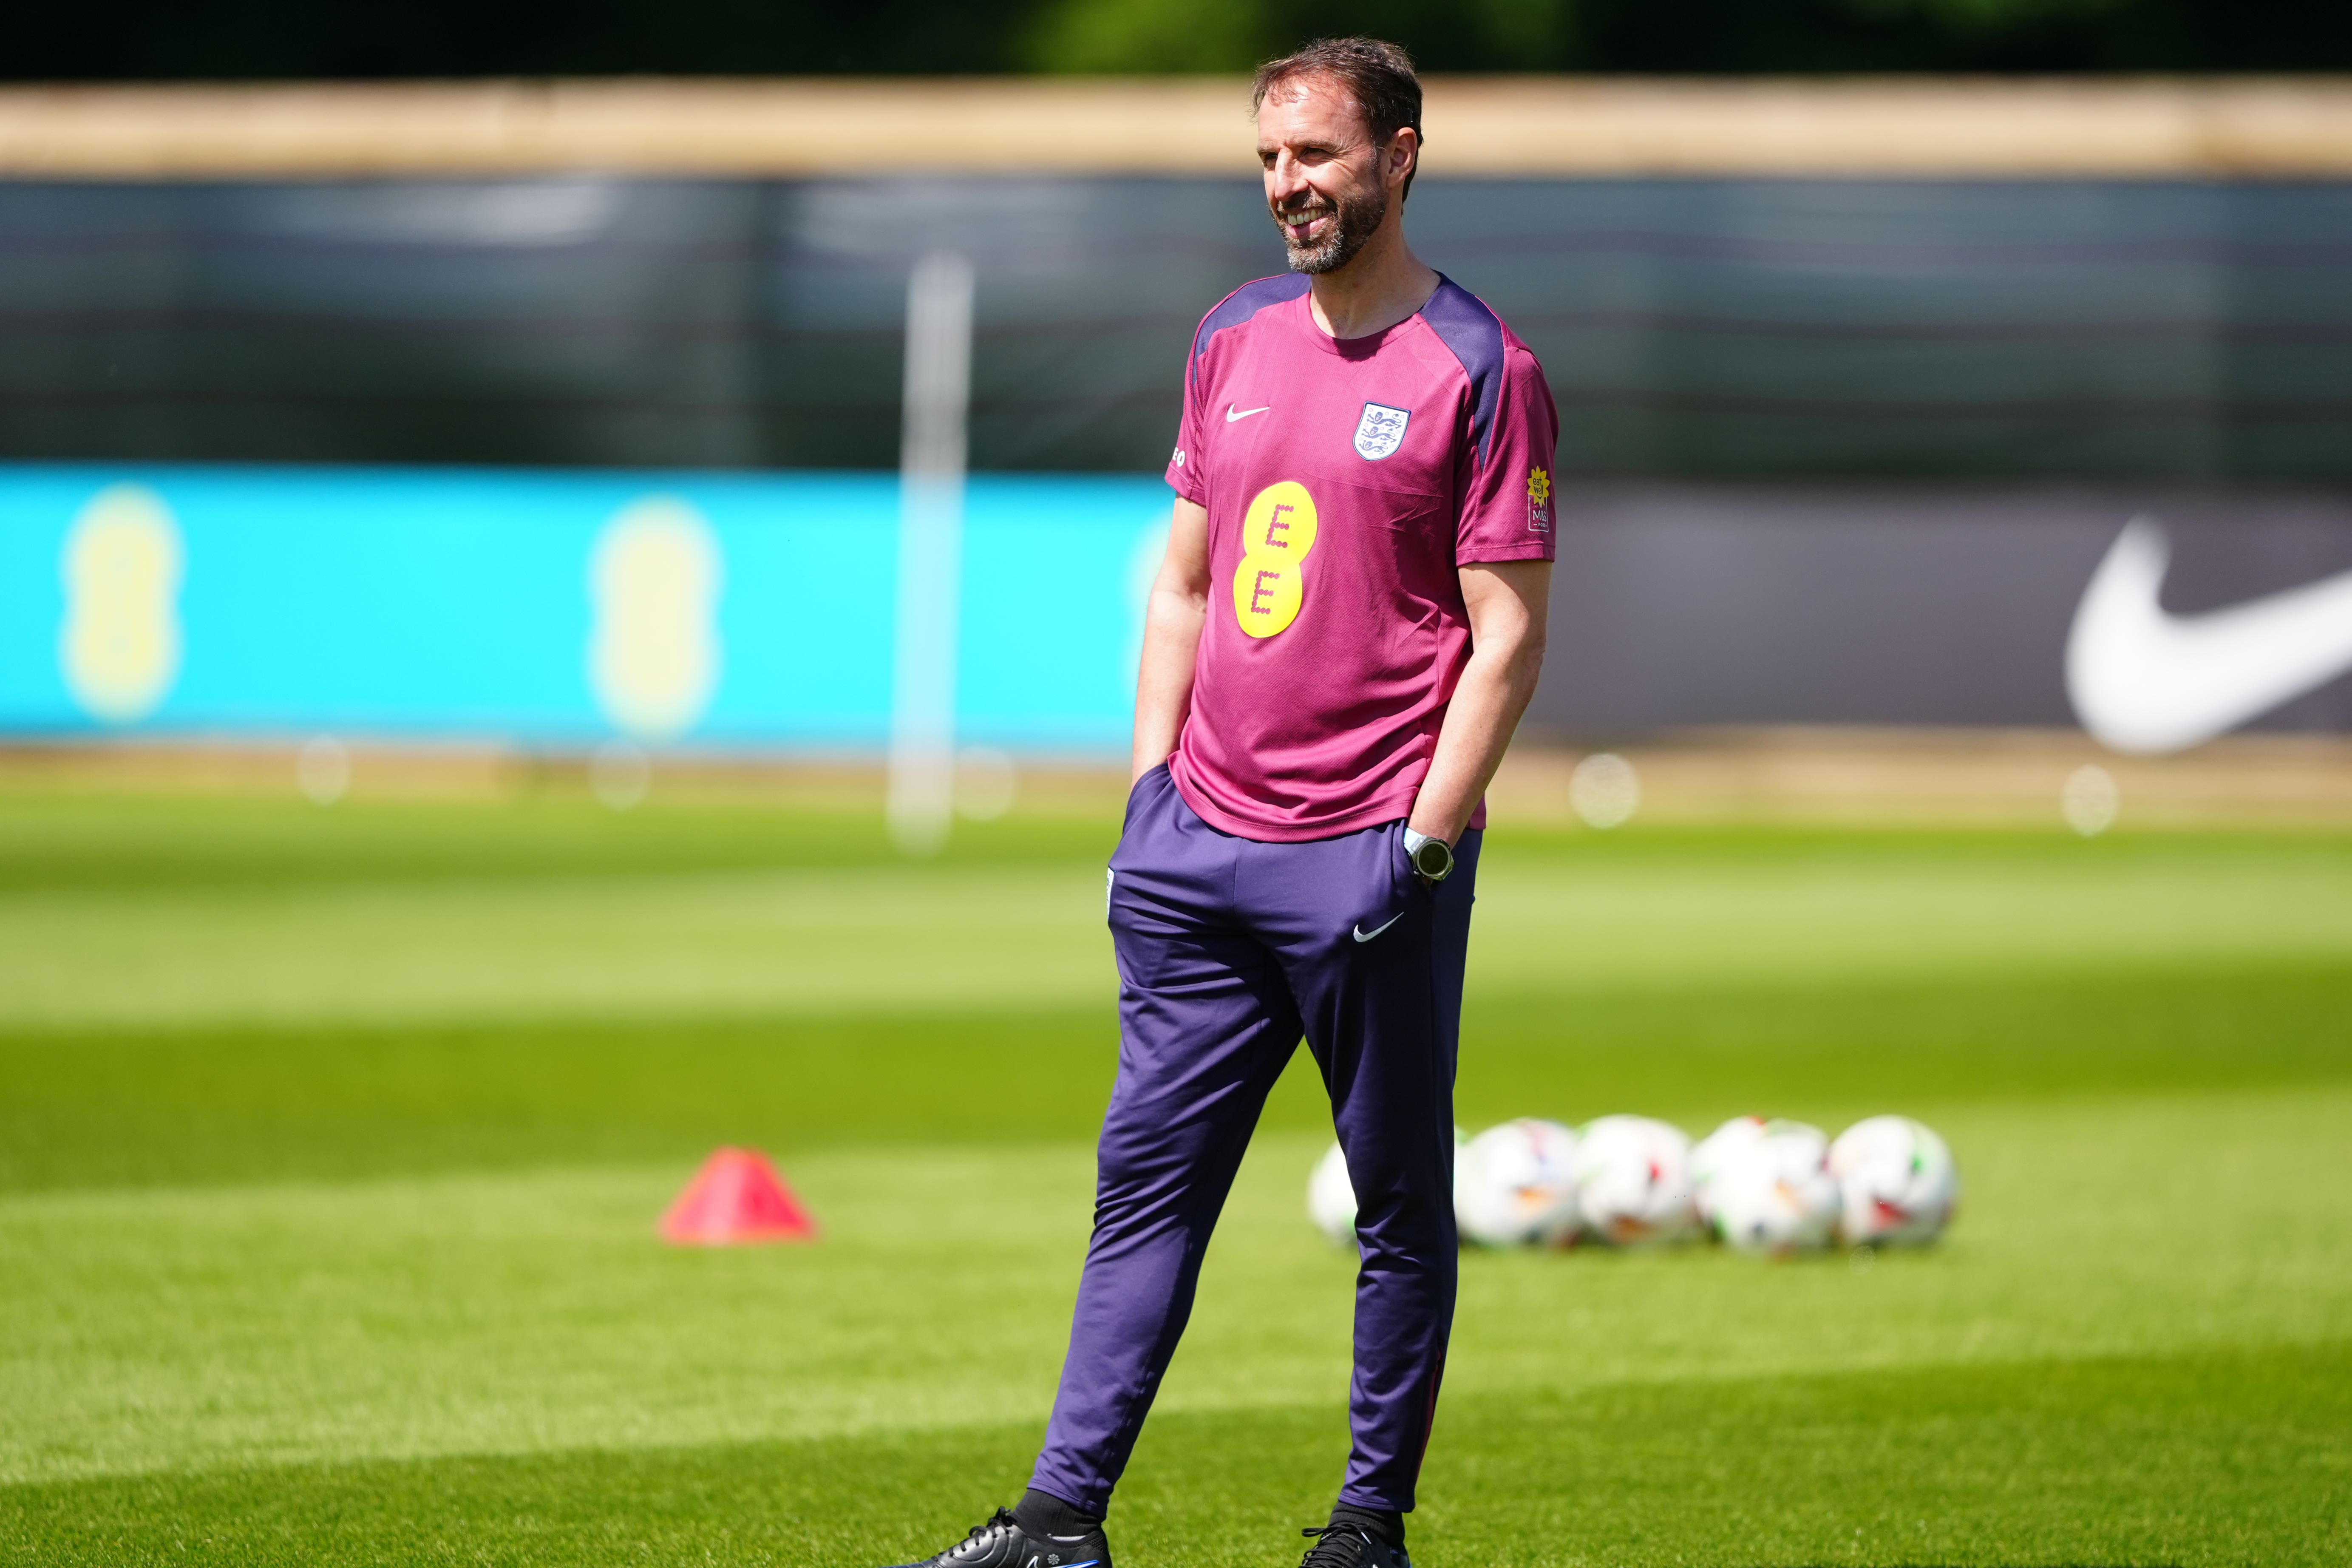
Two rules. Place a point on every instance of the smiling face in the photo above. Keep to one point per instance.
(1328, 183)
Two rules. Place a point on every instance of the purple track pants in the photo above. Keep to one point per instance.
(1229, 950)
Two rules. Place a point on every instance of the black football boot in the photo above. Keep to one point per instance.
(1350, 1546)
(1003, 1543)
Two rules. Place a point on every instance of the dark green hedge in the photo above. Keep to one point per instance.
(247, 39)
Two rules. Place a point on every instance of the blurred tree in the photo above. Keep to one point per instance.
(1177, 36)
(182, 39)
(1180, 35)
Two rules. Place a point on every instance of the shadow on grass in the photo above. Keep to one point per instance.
(2239, 1459)
(105, 1108)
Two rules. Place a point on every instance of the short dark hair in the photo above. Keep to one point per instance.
(1378, 76)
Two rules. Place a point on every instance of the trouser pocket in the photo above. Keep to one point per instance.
(1394, 886)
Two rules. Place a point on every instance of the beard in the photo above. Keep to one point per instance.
(1355, 219)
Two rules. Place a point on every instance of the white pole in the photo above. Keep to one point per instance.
(931, 551)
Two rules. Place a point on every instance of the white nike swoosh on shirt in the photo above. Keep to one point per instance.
(2143, 680)
(1233, 414)
(1363, 935)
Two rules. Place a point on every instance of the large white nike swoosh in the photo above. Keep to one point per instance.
(1363, 935)
(1232, 414)
(2142, 680)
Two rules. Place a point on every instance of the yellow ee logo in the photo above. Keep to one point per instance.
(120, 647)
(1278, 531)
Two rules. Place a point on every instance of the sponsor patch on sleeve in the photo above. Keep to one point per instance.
(1539, 501)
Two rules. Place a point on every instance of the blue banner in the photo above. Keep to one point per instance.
(560, 607)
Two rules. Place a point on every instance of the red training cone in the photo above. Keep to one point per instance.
(736, 1197)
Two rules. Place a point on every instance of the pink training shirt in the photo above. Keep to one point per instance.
(1346, 480)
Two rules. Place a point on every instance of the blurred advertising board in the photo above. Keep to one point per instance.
(550, 607)
(755, 610)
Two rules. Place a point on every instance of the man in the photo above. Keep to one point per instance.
(1345, 632)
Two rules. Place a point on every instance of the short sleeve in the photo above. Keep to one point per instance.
(1507, 507)
(1184, 474)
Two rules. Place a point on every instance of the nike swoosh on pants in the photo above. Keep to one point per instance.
(2145, 680)
(1363, 935)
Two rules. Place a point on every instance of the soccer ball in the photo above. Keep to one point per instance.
(1711, 1153)
(1330, 1201)
(1332, 1198)
(1513, 1185)
(1899, 1182)
(1774, 1194)
(1633, 1181)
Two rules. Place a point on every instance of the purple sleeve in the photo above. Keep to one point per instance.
(1507, 507)
(1184, 474)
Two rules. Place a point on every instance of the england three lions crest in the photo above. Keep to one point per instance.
(1381, 431)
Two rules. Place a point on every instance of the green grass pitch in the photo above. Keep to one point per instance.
(331, 1143)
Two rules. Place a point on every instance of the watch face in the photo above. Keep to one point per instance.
(1433, 859)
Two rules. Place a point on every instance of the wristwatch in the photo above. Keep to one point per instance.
(1433, 858)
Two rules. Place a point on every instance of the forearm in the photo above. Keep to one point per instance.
(1164, 689)
(1493, 693)
(1173, 621)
